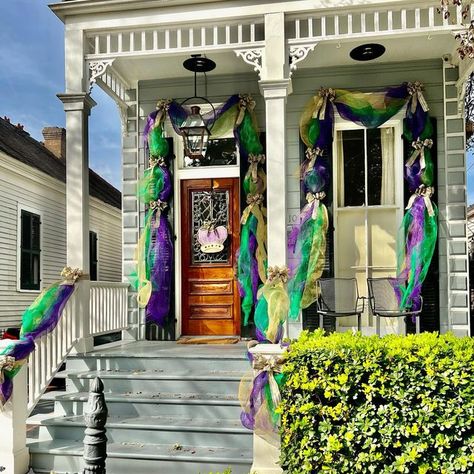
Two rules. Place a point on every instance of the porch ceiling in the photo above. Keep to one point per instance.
(326, 54)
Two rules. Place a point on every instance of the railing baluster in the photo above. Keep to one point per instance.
(227, 34)
(178, 38)
(377, 21)
(363, 28)
(297, 29)
(215, 37)
(97, 44)
(191, 37)
(119, 42)
(143, 41)
(310, 27)
(167, 39)
(252, 32)
(417, 17)
(349, 23)
(132, 41)
(155, 40)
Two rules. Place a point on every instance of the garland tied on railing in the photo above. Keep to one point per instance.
(260, 396)
(417, 239)
(40, 318)
(237, 115)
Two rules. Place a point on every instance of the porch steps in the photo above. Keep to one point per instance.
(65, 456)
(171, 409)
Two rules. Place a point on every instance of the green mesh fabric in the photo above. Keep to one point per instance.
(150, 185)
(35, 313)
(157, 143)
(249, 136)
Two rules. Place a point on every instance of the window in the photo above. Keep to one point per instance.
(93, 259)
(365, 167)
(30, 251)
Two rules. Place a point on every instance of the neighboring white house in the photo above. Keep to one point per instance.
(33, 219)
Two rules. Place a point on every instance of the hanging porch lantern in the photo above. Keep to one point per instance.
(195, 130)
(195, 135)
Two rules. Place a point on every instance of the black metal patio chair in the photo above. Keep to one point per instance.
(384, 303)
(339, 297)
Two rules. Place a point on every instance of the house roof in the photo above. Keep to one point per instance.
(18, 144)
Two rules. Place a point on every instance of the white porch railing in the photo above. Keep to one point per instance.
(377, 21)
(108, 307)
(51, 350)
(108, 313)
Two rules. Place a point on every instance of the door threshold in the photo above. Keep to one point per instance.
(208, 340)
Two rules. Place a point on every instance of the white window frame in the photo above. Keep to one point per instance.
(24, 207)
(341, 124)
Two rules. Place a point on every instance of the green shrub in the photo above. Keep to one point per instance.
(371, 405)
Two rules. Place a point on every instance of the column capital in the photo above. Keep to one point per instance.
(77, 101)
(275, 89)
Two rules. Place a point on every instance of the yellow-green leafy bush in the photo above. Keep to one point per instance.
(378, 405)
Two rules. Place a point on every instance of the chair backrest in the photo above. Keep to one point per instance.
(338, 295)
(383, 294)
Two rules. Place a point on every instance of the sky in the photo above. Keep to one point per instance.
(32, 73)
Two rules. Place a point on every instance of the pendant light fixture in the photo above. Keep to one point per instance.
(196, 130)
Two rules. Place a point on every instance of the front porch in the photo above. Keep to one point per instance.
(281, 54)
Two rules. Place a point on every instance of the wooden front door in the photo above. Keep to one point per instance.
(210, 297)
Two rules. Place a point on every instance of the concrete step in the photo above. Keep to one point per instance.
(199, 405)
(189, 431)
(166, 363)
(132, 457)
(169, 357)
(157, 381)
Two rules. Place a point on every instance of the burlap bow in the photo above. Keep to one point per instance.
(157, 206)
(272, 365)
(162, 107)
(419, 150)
(71, 275)
(156, 161)
(425, 192)
(277, 274)
(252, 200)
(246, 103)
(6, 363)
(415, 89)
(321, 102)
(254, 161)
(311, 157)
(315, 199)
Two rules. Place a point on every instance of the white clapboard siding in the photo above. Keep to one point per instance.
(22, 186)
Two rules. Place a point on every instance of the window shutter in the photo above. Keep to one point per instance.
(30, 251)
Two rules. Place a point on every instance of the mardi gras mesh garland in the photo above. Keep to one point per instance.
(418, 233)
(40, 318)
(153, 277)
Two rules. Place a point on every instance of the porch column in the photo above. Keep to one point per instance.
(77, 105)
(14, 456)
(275, 86)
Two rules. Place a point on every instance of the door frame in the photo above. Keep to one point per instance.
(180, 174)
(340, 124)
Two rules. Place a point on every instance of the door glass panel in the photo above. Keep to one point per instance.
(380, 166)
(204, 209)
(351, 168)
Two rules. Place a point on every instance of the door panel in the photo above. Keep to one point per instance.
(210, 298)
